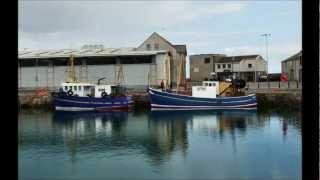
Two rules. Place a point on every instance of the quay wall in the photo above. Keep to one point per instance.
(275, 98)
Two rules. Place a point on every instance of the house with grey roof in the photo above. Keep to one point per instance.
(247, 67)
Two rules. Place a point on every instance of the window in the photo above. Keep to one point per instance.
(75, 88)
(66, 88)
(223, 66)
(70, 87)
(206, 84)
(209, 84)
(249, 65)
(213, 84)
(219, 66)
(79, 87)
(148, 46)
(156, 46)
(229, 65)
(206, 60)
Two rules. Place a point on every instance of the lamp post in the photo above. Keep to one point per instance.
(267, 55)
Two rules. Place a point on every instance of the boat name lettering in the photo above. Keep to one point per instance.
(201, 88)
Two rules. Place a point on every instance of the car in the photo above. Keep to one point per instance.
(263, 78)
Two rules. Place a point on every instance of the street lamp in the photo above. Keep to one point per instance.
(267, 58)
(267, 55)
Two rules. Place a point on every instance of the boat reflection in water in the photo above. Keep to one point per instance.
(156, 135)
(212, 123)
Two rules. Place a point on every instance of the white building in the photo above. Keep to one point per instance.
(248, 67)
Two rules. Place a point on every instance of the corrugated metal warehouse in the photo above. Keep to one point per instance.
(141, 66)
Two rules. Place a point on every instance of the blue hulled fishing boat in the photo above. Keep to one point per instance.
(209, 95)
(83, 96)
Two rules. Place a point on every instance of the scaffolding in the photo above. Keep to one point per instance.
(119, 77)
(50, 75)
(71, 71)
(152, 76)
(83, 74)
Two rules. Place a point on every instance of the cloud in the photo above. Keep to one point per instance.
(277, 53)
(109, 22)
(279, 49)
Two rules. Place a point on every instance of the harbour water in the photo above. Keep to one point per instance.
(168, 145)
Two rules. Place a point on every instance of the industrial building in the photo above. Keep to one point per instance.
(248, 67)
(155, 60)
(292, 67)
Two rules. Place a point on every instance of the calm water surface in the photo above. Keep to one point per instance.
(168, 145)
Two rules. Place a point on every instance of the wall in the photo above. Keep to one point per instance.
(293, 64)
(134, 74)
(242, 66)
(197, 62)
(163, 45)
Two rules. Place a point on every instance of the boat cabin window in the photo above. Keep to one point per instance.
(70, 87)
(66, 88)
(79, 87)
(209, 84)
(75, 88)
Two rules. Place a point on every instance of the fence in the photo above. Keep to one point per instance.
(289, 85)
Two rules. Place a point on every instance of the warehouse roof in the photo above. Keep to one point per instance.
(31, 54)
(293, 57)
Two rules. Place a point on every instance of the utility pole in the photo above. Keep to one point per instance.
(267, 54)
(267, 57)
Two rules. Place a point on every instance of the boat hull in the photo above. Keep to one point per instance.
(73, 103)
(169, 101)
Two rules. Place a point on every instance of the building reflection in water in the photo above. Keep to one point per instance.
(156, 135)
(88, 129)
(168, 134)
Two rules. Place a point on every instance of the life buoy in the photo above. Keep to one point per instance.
(70, 92)
(103, 94)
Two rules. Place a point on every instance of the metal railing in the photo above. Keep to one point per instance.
(289, 85)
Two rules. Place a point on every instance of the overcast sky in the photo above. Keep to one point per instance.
(232, 28)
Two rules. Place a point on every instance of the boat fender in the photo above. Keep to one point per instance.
(103, 94)
(70, 92)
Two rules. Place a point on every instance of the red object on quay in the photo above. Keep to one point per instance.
(283, 77)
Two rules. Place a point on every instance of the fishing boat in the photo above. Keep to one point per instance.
(83, 96)
(209, 95)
